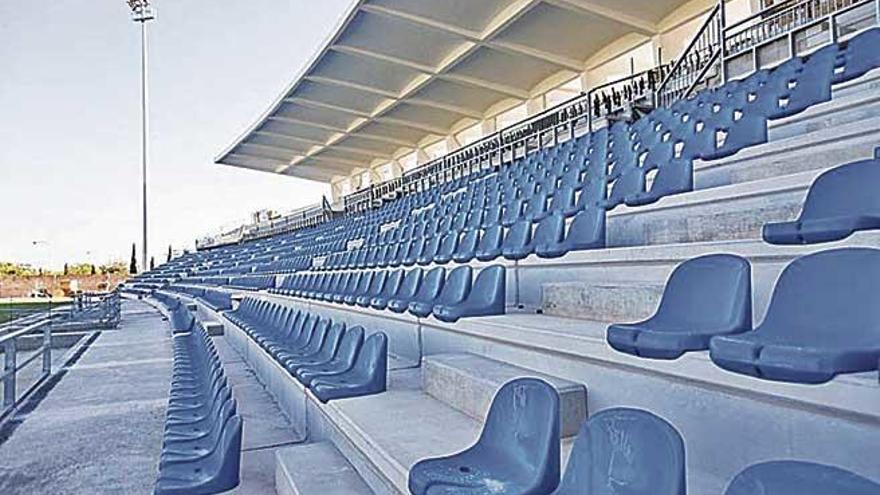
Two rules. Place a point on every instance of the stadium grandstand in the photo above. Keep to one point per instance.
(573, 247)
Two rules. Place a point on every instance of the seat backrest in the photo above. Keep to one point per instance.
(372, 360)
(847, 190)
(489, 287)
(522, 426)
(519, 235)
(550, 229)
(629, 451)
(828, 296)
(491, 238)
(713, 291)
(350, 345)
(392, 283)
(331, 340)
(411, 284)
(587, 229)
(457, 286)
(799, 478)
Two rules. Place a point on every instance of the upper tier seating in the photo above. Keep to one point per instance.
(799, 478)
(823, 319)
(331, 360)
(201, 449)
(841, 201)
(518, 449)
(625, 451)
(704, 297)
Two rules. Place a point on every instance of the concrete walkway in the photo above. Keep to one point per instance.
(99, 428)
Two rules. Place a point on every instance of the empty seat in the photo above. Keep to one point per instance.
(840, 202)
(627, 451)
(485, 298)
(408, 290)
(366, 377)
(823, 319)
(704, 297)
(343, 360)
(518, 448)
(455, 289)
(862, 54)
(799, 478)
(586, 231)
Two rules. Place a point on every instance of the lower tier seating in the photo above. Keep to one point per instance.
(201, 450)
(447, 294)
(333, 361)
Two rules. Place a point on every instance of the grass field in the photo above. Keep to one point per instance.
(12, 310)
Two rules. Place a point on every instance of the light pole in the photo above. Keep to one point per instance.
(143, 12)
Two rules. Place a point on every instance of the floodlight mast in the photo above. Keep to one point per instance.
(143, 12)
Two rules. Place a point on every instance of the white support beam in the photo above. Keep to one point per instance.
(326, 106)
(350, 85)
(641, 26)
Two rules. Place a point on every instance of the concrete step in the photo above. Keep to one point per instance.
(605, 284)
(469, 382)
(728, 421)
(736, 211)
(852, 101)
(823, 148)
(623, 301)
(386, 434)
(316, 469)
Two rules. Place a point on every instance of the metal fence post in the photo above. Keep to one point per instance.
(47, 347)
(9, 351)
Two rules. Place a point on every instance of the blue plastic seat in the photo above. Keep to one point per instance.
(862, 54)
(343, 360)
(455, 288)
(586, 231)
(624, 450)
(375, 288)
(392, 285)
(467, 246)
(363, 285)
(367, 376)
(799, 478)
(518, 449)
(517, 242)
(409, 288)
(447, 248)
(322, 355)
(704, 297)
(673, 177)
(840, 202)
(823, 319)
(489, 247)
(486, 298)
(215, 473)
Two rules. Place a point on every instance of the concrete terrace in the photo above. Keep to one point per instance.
(96, 427)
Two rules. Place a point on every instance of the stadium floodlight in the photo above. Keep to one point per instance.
(142, 12)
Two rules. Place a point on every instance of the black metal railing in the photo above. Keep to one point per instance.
(693, 65)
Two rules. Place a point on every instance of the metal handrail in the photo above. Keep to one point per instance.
(11, 365)
(705, 47)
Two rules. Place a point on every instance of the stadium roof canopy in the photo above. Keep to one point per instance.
(397, 71)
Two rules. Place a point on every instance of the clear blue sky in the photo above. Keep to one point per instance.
(70, 128)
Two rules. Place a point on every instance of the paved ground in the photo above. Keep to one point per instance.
(98, 429)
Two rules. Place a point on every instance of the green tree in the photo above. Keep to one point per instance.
(132, 265)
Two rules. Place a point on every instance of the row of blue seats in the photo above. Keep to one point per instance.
(823, 318)
(550, 237)
(448, 296)
(201, 449)
(251, 282)
(333, 361)
(617, 451)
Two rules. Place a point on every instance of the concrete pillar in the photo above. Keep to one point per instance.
(336, 192)
(422, 157)
(536, 105)
(396, 168)
(489, 126)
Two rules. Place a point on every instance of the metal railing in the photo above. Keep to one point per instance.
(86, 311)
(784, 24)
(623, 94)
(12, 366)
(701, 54)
